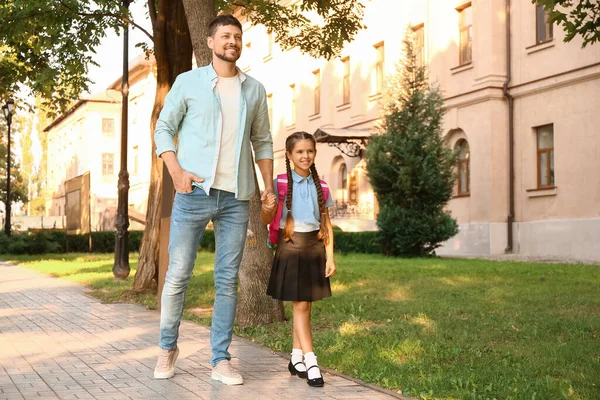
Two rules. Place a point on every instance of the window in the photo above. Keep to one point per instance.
(545, 156)
(270, 109)
(134, 112)
(419, 43)
(135, 159)
(108, 126)
(379, 68)
(543, 27)
(108, 167)
(293, 104)
(346, 81)
(464, 174)
(344, 182)
(269, 43)
(465, 21)
(317, 91)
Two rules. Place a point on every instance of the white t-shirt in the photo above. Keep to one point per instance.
(229, 93)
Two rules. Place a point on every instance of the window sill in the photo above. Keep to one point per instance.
(375, 96)
(291, 127)
(456, 196)
(461, 68)
(540, 46)
(542, 192)
(343, 107)
(268, 58)
(314, 116)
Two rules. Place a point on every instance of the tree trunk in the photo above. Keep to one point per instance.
(173, 54)
(254, 306)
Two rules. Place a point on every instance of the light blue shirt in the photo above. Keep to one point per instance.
(305, 204)
(192, 112)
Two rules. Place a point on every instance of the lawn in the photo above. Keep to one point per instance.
(431, 328)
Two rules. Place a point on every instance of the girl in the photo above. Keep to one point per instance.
(303, 261)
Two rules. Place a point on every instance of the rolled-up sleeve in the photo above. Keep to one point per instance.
(170, 117)
(261, 139)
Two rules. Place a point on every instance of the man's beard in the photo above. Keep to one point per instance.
(223, 56)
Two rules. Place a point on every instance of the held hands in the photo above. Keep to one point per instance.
(269, 201)
(182, 180)
(330, 269)
(269, 206)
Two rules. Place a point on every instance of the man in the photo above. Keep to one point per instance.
(217, 112)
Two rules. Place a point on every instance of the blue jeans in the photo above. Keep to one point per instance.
(191, 213)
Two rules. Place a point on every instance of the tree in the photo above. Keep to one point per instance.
(410, 168)
(341, 22)
(578, 17)
(26, 142)
(38, 203)
(40, 50)
(18, 190)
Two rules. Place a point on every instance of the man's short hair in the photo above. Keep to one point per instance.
(222, 20)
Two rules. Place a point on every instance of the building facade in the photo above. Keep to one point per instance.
(87, 139)
(552, 116)
(521, 112)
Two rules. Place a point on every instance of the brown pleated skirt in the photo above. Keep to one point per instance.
(298, 272)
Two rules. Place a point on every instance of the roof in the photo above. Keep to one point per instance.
(137, 67)
(105, 97)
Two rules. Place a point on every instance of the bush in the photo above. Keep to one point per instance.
(53, 241)
(356, 242)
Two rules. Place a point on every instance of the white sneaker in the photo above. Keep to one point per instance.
(165, 366)
(225, 373)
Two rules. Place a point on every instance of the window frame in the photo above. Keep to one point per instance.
(346, 80)
(317, 92)
(462, 27)
(379, 67)
(107, 133)
(549, 152)
(112, 164)
(270, 110)
(467, 163)
(419, 39)
(292, 104)
(548, 26)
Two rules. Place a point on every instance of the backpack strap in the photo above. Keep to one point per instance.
(281, 193)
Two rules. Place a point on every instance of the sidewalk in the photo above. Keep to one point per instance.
(58, 343)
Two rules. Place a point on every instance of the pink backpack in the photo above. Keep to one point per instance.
(281, 193)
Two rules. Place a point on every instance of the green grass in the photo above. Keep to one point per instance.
(432, 328)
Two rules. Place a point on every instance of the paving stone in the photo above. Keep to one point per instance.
(58, 343)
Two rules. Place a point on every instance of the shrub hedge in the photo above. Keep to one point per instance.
(52, 241)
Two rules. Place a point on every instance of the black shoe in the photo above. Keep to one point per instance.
(294, 371)
(315, 382)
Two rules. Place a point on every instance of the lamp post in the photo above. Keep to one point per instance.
(121, 266)
(7, 110)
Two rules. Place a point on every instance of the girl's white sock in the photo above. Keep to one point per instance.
(297, 358)
(309, 360)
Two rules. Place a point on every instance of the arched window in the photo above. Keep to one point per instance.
(464, 178)
(344, 182)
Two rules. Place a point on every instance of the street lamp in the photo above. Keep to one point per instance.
(7, 110)
(121, 266)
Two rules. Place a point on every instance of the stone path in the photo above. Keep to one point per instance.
(58, 343)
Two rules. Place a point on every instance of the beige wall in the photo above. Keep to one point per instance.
(77, 143)
(554, 82)
(75, 146)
